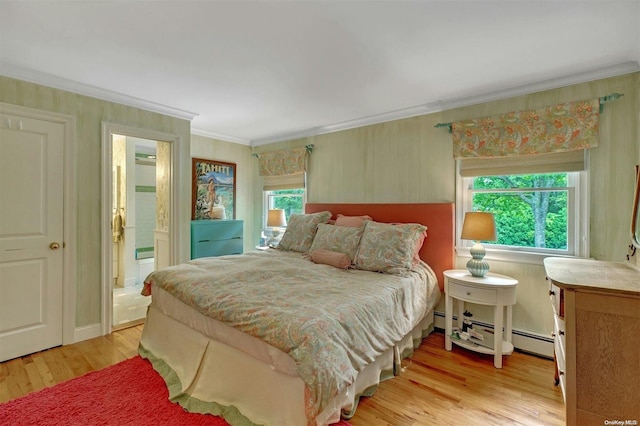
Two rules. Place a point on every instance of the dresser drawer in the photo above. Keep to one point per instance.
(472, 294)
(560, 359)
(556, 295)
(216, 238)
(210, 230)
(559, 333)
(217, 248)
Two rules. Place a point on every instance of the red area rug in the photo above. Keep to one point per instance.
(128, 393)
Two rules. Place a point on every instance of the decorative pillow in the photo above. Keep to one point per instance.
(337, 238)
(328, 257)
(301, 229)
(352, 221)
(389, 248)
(419, 243)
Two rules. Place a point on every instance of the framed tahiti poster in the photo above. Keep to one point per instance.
(213, 189)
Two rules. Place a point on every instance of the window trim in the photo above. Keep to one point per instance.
(578, 224)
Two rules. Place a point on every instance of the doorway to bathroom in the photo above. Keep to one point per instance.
(134, 210)
(126, 256)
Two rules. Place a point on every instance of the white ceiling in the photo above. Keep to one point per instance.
(256, 72)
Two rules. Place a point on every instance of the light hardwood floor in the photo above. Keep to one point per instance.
(436, 388)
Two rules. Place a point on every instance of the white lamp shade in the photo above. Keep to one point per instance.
(276, 218)
(479, 226)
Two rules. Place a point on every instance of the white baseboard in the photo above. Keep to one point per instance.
(526, 341)
(87, 332)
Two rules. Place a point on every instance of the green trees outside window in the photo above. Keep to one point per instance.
(290, 200)
(530, 210)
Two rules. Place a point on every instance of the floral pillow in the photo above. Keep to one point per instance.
(301, 230)
(337, 238)
(419, 244)
(389, 248)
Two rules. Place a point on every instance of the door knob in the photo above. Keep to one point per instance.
(54, 246)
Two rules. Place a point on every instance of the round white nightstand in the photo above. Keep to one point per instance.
(493, 289)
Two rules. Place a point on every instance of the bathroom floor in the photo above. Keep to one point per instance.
(129, 305)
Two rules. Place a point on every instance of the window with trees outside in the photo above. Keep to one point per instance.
(290, 200)
(534, 213)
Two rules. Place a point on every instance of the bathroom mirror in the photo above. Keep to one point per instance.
(635, 216)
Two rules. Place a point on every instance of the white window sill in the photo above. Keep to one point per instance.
(516, 256)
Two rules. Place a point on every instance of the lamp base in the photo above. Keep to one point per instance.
(476, 266)
(275, 237)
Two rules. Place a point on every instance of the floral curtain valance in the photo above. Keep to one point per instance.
(283, 162)
(563, 127)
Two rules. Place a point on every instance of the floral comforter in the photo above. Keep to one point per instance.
(332, 322)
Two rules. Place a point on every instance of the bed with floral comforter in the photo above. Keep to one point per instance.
(331, 322)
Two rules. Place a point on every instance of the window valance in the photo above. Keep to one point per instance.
(559, 128)
(283, 162)
(284, 169)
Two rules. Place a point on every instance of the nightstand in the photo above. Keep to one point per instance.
(493, 289)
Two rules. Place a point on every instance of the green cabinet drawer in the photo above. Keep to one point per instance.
(216, 237)
(217, 248)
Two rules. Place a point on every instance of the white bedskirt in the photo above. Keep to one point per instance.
(212, 368)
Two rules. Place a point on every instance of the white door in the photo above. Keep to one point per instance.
(31, 231)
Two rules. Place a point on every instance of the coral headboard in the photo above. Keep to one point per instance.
(438, 247)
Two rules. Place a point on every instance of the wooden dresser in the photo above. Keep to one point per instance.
(216, 237)
(597, 331)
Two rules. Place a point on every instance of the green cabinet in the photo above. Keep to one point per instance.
(216, 237)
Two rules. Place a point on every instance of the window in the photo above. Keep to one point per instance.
(290, 200)
(536, 214)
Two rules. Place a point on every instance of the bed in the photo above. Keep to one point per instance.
(272, 337)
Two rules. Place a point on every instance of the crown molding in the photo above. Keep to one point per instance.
(219, 136)
(37, 77)
(474, 99)
(542, 85)
(486, 95)
(351, 124)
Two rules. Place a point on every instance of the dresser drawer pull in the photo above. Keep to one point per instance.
(551, 292)
(561, 332)
(561, 373)
(468, 293)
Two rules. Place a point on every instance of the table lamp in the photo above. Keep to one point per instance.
(275, 220)
(478, 226)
